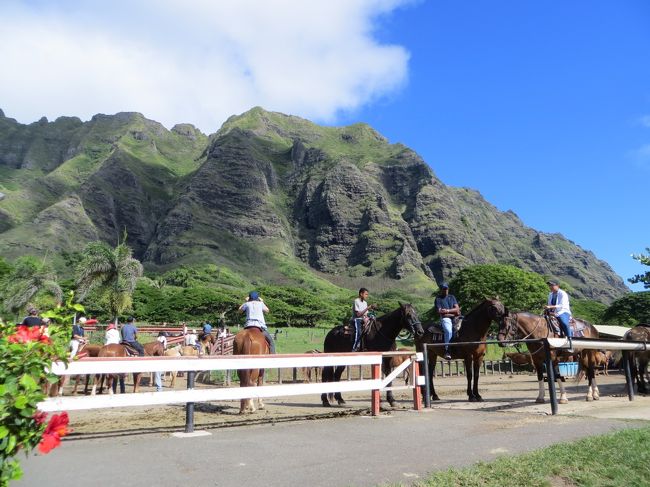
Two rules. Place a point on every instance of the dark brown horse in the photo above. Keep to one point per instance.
(530, 326)
(379, 338)
(474, 329)
(639, 360)
(250, 341)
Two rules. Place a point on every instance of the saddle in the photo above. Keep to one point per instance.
(349, 329)
(577, 328)
(438, 334)
(130, 351)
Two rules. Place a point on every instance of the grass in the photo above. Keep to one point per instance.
(621, 458)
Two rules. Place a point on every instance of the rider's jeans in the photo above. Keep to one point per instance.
(564, 320)
(445, 324)
(358, 323)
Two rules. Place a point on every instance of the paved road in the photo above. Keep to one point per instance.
(354, 451)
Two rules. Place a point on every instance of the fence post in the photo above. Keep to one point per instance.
(550, 375)
(279, 376)
(417, 397)
(629, 381)
(189, 407)
(512, 369)
(295, 375)
(427, 379)
(374, 406)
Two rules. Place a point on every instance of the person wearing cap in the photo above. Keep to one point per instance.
(255, 308)
(558, 304)
(130, 336)
(112, 336)
(77, 337)
(32, 318)
(360, 310)
(448, 308)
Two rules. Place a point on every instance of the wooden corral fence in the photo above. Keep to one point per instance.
(206, 363)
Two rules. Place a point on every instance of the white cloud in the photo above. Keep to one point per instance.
(196, 61)
(645, 121)
(641, 156)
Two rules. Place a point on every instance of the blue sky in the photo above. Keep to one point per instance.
(543, 106)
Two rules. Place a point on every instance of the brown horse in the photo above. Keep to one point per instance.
(114, 350)
(85, 351)
(531, 326)
(250, 341)
(206, 342)
(639, 360)
(474, 329)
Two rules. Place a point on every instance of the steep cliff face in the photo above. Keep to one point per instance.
(265, 188)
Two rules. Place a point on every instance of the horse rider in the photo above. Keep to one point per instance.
(206, 330)
(78, 339)
(360, 311)
(255, 308)
(558, 305)
(130, 336)
(162, 338)
(112, 336)
(448, 308)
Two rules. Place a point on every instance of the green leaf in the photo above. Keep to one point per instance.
(11, 444)
(4, 431)
(21, 402)
(28, 382)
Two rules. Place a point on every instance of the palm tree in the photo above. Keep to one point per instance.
(29, 278)
(113, 272)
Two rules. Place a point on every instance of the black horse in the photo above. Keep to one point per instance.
(379, 338)
(474, 329)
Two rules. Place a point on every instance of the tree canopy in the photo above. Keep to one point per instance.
(643, 278)
(630, 310)
(518, 289)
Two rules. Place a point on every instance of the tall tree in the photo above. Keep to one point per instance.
(112, 272)
(28, 278)
(644, 278)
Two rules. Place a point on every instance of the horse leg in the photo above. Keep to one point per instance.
(469, 371)
(596, 392)
(260, 382)
(86, 386)
(477, 371)
(244, 381)
(540, 383)
(136, 381)
(337, 378)
(386, 369)
(328, 373)
(563, 397)
(432, 373)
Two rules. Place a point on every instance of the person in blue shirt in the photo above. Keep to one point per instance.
(207, 328)
(447, 308)
(130, 336)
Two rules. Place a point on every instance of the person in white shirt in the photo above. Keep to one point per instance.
(162, 338)
(191, 338)
(255, 308)
(558, 304)
(112, 336)
(360, 311)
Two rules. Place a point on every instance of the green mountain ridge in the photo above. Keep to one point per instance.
(268, 195)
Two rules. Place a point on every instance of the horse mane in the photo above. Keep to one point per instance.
(477, 308)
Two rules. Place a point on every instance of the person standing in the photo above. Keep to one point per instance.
(130, 335)
(32, 318)
(448, 308)
(360, 310)
(255, 308)
(558, 304)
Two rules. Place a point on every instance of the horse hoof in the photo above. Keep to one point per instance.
(563, 401)
(589, 398)
(596, 398)
(327, 404)
(392, 403)
(540, 400)
(479, 399)
(435, 398)
(341, 402)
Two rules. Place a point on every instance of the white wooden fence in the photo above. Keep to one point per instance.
(207, 363)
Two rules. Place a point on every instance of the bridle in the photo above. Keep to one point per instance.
(512, 327)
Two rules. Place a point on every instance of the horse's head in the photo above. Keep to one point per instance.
(495, 309)
(507, 328)
(410, 320)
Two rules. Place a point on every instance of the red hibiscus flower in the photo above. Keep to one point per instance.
(40, 417)
(26, 334)
(55, 430)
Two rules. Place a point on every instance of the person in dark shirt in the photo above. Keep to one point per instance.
(130, 336)
(32, 319)
(448, 309)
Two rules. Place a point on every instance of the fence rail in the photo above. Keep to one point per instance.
(206, 363)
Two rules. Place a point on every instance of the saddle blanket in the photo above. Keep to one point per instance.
(577, 327)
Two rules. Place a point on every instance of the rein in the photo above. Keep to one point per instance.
(539, 321)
